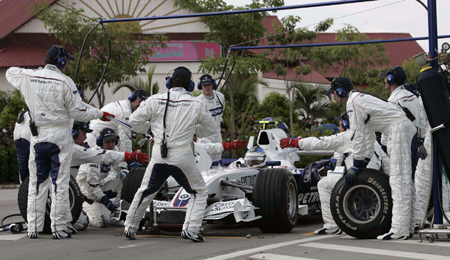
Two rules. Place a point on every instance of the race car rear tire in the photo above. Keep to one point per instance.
(363, 210)
(75, 197)
(275, 194)
(132, 183)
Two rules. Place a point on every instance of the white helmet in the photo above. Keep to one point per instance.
(255, 157)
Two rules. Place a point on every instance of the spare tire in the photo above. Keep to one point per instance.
(75, 198)
(363, 210)
(275, 194)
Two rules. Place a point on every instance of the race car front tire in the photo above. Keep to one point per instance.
(75, 197)
(363, 210)
(275, 194)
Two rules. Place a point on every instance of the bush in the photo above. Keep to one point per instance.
(9, 170)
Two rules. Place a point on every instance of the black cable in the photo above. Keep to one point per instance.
(231, 71)
(81, 52)
(424, 6)
(106, 66)
(224, 67)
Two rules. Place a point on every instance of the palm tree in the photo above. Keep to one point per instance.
(137, 83)
(242, 96)
(311, 101)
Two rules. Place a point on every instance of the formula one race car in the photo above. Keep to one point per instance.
(264, 186)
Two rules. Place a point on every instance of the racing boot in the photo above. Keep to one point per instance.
(392, 236)
(32, 235)
(71, 229)
(328, 231)
(61, 235)
(129, 234)
(194, 237)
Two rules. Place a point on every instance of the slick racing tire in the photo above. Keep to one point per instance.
(363, 210)
(132, 183)
(75, 197)
(275, 194)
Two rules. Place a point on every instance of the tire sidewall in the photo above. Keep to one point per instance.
(381, 223)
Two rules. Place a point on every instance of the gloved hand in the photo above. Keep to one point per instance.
(136, 156)
(110, 194)
(384, 148)
(123, 174)
(422, 150)
(132, 165)
(289, 142)
(365, 163)
(105, 115)
(108, 203)
(236, 144)
(350, 176)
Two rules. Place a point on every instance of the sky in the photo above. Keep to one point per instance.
(405, 16)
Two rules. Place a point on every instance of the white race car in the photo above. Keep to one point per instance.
(264, 186)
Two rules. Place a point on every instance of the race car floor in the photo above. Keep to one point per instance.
(222, 242)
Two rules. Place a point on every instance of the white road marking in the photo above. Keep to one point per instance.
(372, 251)
(12, 237)
(411, 241)
(276, 257)
(264, 248)
(131, 246)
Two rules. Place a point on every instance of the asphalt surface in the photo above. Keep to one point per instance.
(222, 242)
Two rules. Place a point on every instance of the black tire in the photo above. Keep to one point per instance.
(372, 191)
(75, 197)
(132, 183)
(275, 194)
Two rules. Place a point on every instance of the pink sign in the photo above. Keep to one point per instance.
(186, 51)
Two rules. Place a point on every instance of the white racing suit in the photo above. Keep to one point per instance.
(341, 144)
(369, 114)
(216, 106)
(94, 180)
(423, 180)
(22, 137)
(53, 100)
(185, 116)
(122, 110)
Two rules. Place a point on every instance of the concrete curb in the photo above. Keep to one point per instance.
(9, 186)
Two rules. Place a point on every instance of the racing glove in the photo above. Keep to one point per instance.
(350, 176)
(136, 156)
(365, 163)
(123, 174)
(108, 203)
(236, 144)
(422, 150)
(132, 165)
(110, 194)
(106, 115)
(289, 142)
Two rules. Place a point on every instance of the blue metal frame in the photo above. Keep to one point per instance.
(235, 11)
(333, 43)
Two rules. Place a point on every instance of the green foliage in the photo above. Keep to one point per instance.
(274, 105)
(137, 83)
(352, 61)
(14, 105)
(127, 57)
(4, 98)
(311, 101)
(9, 170)
(412, 70)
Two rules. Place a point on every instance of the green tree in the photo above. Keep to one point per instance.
(12, 109)
(311, 101)
(228, 30)
(244, 97)
(289, 61)
(128, 56)
(137, 83)
(352, 61)
(274, 105)
(412, 70)
(4, 97)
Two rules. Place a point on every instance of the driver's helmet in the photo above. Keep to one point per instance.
(255, 157)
